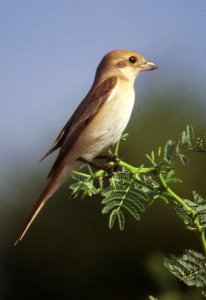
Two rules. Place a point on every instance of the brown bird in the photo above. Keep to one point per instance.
(98, 121)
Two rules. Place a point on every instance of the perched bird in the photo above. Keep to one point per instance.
(98, 121)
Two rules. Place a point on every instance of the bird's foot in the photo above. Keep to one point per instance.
(110, 158)
(110, 169)
(107, 157)
(91, 163)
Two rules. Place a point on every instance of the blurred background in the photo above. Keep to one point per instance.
(49, 53)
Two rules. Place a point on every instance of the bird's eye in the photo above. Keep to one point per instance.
(132, 59)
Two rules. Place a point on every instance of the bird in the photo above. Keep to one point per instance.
(97, 123)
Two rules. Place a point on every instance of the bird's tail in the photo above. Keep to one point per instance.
(37, 208)
(56, 180)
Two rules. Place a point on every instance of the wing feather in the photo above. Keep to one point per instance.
(83, 115)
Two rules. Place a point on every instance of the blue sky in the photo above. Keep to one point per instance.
(50, 50)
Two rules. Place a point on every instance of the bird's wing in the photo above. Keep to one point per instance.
(83, 115)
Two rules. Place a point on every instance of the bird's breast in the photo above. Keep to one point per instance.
(109, 123)
(116, 112)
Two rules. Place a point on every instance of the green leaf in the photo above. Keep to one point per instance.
(124, 136)
(199, 211)
(122, 177)
(198, 199)
(151, 157)
(169, 151)
(113, 195)
(74, 187)
(173, 181)
(139, 194)
(121, 219)
(132, 210)
(110, 206)
(184, 160)
(112, 218)
(190, 267)
(136, 203)
(190, 132)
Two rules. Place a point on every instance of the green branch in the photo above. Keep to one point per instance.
(199, 228)
(125, 189)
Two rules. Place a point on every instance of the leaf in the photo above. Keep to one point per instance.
(151, 157)
(139, 194)
(190, 267)
(198, 199)
(121, 219)
(199, 211)
(169, 151)
(112, 218)
(186, 137)
(83, 185)
(113, 196)
(173, 180)
(136, 203)
(110, 206)
(124, 136)
(184, 160)
(132, 210)
(123, 194)
(190, 132)
(74, 187)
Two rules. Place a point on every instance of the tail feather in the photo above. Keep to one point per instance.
(56, 180)
(37, 208)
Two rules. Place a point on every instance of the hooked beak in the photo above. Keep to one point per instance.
(148, 66)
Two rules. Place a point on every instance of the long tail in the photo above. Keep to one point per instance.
(37, 208)
(56, 180)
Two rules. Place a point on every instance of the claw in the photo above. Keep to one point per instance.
(113, 157)
(106, 167)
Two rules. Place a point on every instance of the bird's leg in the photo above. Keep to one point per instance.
(92, 164)
(108, 157)
(107, 168)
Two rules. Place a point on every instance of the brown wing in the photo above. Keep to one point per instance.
(61, 137)
(83, 115)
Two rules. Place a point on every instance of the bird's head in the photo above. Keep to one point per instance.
(124, 62)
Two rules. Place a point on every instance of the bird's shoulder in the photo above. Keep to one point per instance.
(104, 87)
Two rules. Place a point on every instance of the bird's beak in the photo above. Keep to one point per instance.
(148, 66)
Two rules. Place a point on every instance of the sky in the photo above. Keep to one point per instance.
(49, 51)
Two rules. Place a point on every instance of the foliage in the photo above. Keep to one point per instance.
(125, 193)
(198, 209)
(129, 190)
(190, 267)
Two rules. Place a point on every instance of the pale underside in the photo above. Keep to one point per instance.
(103, 131)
